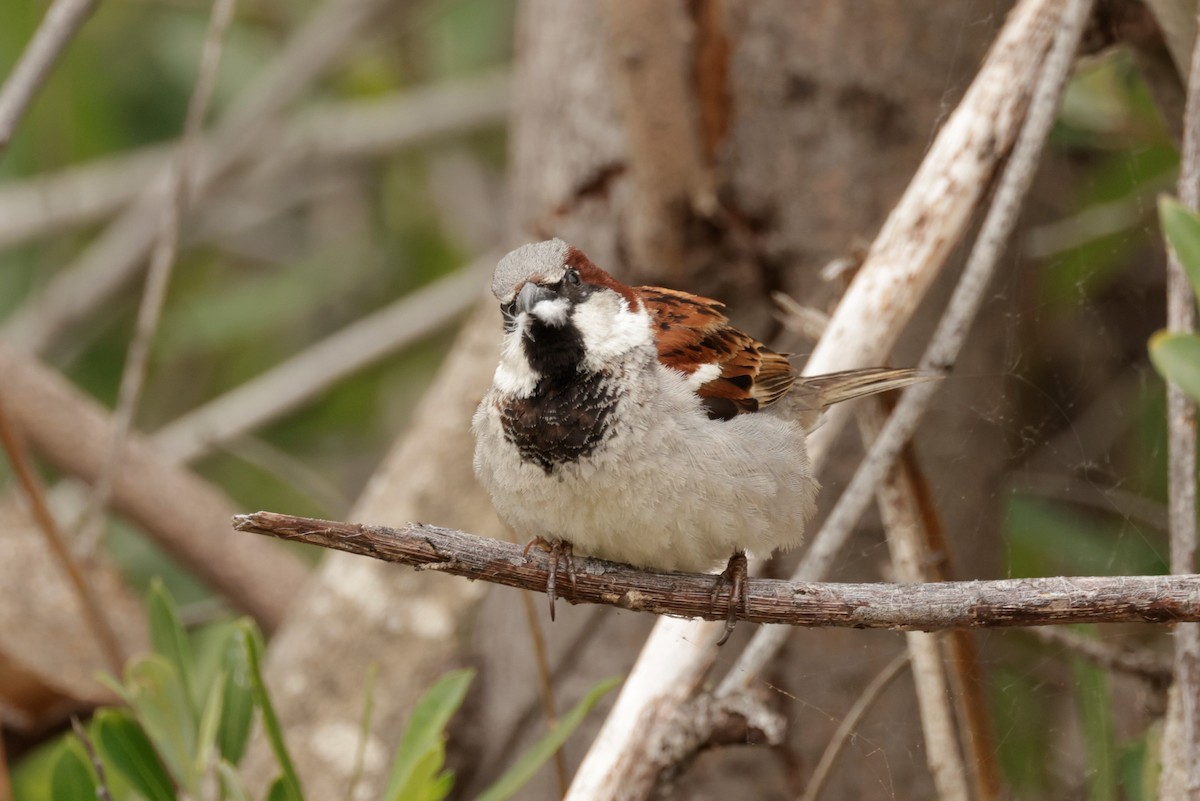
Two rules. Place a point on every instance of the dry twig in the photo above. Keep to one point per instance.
(923, 607)
(93, 610)
(60, 24)
(841, 736)
(161, 264)
(102, 791)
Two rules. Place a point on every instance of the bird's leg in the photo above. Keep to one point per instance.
(556, 549)
(735, 575)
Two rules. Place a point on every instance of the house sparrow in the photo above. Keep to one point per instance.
(637, 425)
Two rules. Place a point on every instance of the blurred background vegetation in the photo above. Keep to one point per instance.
(244, 299)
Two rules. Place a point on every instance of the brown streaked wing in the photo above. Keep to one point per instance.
(692, 332)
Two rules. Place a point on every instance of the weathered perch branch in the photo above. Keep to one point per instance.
(926, 607)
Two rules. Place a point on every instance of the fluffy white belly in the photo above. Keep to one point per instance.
(668, 488)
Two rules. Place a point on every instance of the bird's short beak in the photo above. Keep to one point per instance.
(531, 295)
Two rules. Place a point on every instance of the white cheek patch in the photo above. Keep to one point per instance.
(610, 329)
(552, 312)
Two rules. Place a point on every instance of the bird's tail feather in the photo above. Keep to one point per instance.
(826, 390)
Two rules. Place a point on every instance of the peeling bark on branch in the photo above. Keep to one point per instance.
(923, 607)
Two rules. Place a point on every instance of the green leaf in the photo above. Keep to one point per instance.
(33, 774)
(231, 782)
(210, 720)
(364, 730)
(237, 712)
(168, 637)
(278, 791)
(287, 786)
(418, 759)
(1181, 227)
(1094, 702)
(519, 774)
(124, 746)
(156, 693)
(73, 775)
(1177, 358)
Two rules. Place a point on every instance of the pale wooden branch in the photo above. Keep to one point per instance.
(1177, 21)
(62, 21)
(183, 513)
(904, 524)
(1181, 465)
(910, 607)
(162, 263)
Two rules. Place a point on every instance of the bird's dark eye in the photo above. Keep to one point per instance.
(572, 278)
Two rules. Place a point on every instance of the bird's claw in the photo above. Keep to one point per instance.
(556, 549)
(734, 575)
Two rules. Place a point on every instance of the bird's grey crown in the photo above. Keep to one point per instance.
(545, 260)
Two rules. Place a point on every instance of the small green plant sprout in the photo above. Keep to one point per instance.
(189, 707)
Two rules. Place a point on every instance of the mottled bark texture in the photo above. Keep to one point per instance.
(907, 606)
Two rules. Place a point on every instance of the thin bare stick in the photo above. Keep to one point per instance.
(947, 339)
(60, 24)
(845, 729)
(102, 791)
(900, 510)
(1146, 666)
(162, 262)
(910, 607)
(1181, 451)
(303, 376)
(31, 483)
(545, 686)
(117, 254)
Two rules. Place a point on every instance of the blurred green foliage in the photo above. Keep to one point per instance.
(234, 311)
(189, 707)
